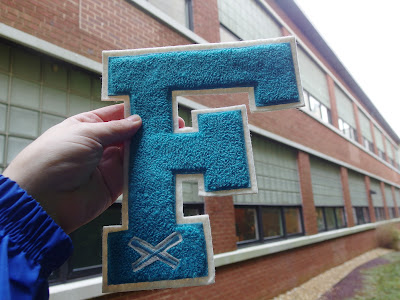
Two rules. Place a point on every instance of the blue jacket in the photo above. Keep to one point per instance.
(32, 245)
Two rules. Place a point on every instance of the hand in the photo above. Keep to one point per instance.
(74, 170)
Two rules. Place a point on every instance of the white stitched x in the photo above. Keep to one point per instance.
(150, 254)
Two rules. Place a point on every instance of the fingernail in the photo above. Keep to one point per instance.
(134, 118)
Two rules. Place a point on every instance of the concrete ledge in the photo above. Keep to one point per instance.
(50, 49)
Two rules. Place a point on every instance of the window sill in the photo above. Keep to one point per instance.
(251, 252)
(88, 288)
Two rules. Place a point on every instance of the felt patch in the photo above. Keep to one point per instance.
(156, 246)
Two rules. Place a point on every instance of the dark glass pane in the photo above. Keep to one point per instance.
(366, 215)
(380, 213)
(246, 224)
(360, 218)
(340, 217)
(272, 222)
(87, 239)
(320, 219)
(192, 210)
(292, 220)
(391, 212)
(330, 218)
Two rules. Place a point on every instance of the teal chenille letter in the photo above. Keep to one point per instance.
(156, 247)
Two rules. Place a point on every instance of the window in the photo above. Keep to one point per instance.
(37, 92)
(317, 108)
(264, 223)
(180, 10)
(193, 209)
(368, 144)
(381, 154)
(246, 224)
(330, 218)
(380, 213)
(226, 35)
(87, 240)
(392, 212)
(347, 130)
(361, 215)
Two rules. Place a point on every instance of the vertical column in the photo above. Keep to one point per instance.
(358, 125)
(309, 213)
(396, 213)
(206, 19)
(222, 221)
(371, 127)
(346, 196)
(370, 203)
(394, 155)
(382, 186)
(332, 99)
(385, 148)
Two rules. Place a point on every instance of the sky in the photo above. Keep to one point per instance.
(365, 36)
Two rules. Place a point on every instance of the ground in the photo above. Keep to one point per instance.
(324, 284)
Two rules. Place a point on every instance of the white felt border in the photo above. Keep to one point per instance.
(249, 151)
(133, 52)
(180, 178)
(180, 219)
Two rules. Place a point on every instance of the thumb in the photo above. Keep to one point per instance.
(116, 131)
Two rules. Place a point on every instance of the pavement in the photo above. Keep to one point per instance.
(321, 286)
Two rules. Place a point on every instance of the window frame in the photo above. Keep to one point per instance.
(348, 130)
(368, 144)
(380, 214)
(322, 112)
(199, 206)
(259, 224)
(364, 209)
(392, 212)
(335, 217)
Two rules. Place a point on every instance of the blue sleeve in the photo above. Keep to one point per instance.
(32, 245)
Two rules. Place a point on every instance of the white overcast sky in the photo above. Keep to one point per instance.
(365, 35)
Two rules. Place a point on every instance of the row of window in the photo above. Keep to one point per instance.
(322, 112)
(181, 11)
(265, 223)
(254, 224)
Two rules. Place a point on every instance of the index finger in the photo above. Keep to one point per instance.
(110, 113)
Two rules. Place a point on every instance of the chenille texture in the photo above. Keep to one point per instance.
(217, 150)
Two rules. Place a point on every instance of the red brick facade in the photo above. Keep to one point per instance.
(222, 221)
(346, 196)
(310, 219)
(87, 27)
(266, 277)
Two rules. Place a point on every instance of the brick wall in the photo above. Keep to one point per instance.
(88, 26)
(205, 19)
(346, 196)
(222, 221)
(309, 212)
(311, 133)
(268, 276)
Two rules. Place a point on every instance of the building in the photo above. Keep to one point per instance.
(328, 174)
